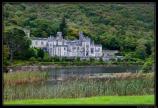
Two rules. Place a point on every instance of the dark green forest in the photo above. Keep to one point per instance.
(128, 28)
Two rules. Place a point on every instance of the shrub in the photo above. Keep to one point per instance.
(46, 58)
(40, 53)
(56, 59)
(147, 65)
(77, 59)
(32, 59)
(31, 52)
(39, 59)
(92, 59)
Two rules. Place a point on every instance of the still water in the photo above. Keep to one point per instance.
(64, 72)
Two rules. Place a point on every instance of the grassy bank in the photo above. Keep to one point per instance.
(76, 87)
(23, 77)
(146, 99)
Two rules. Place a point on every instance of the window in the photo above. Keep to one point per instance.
(50, 49)
(64, 53)
(98, 49)
(64, 48)
(92, 50)
(41, 43)
(36, 42)
(86, 53)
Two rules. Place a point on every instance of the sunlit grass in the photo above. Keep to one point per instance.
(146, 99)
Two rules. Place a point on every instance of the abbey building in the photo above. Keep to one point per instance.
(57, 46)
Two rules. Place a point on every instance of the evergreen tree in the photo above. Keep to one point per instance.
(63, 27)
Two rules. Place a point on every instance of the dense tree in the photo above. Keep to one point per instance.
(31, 52)
(5, 55)
(141, 49)
(125, 27)
(148, 65)
(40, 53)
(63, 27)
(16, 41)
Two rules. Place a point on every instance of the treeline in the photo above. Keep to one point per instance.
(128, 28)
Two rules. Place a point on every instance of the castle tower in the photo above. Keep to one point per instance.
(59, 35)
(81, 35)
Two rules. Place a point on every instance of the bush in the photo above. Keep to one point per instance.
(32, 59)
(147, 65)
(39, 59)
(46, 58)
(92, 59)
(55, 59)
(40, 53)
(6, 63)
(78, 59)
(31, 52)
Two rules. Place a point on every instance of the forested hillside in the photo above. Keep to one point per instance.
(125, 27)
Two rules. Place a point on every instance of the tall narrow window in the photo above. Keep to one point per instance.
(92, 50)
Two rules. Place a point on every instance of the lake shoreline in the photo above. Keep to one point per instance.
(45, 67)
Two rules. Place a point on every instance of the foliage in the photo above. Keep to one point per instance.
(17, 43)
(92, 59)
(46, 58)
(40, 53)
(77, 59)
(31, 52)
(128, 28)
(148, 65)
(32, 59)
(63, 27)
(5, 55)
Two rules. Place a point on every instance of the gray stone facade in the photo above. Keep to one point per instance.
(58, 46)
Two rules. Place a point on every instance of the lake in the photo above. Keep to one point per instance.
(65, 72)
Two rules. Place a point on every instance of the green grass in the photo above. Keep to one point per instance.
(145, 99)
